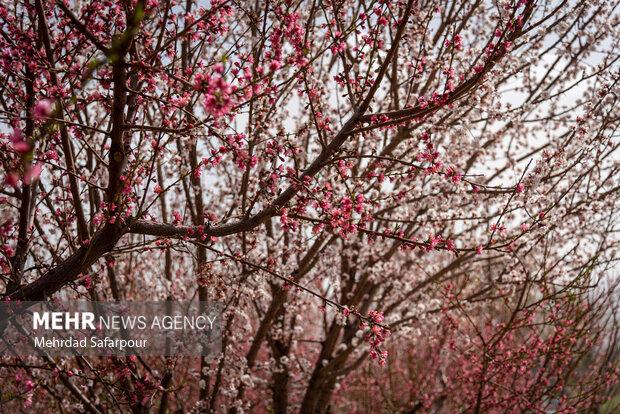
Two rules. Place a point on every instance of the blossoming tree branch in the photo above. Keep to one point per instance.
(404, 206)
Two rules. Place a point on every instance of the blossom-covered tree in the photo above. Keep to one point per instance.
(404, 206)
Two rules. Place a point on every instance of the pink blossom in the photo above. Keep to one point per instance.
(450, 245)
(19, 144)
(520, 188)
(42, 109)
(33, 173)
